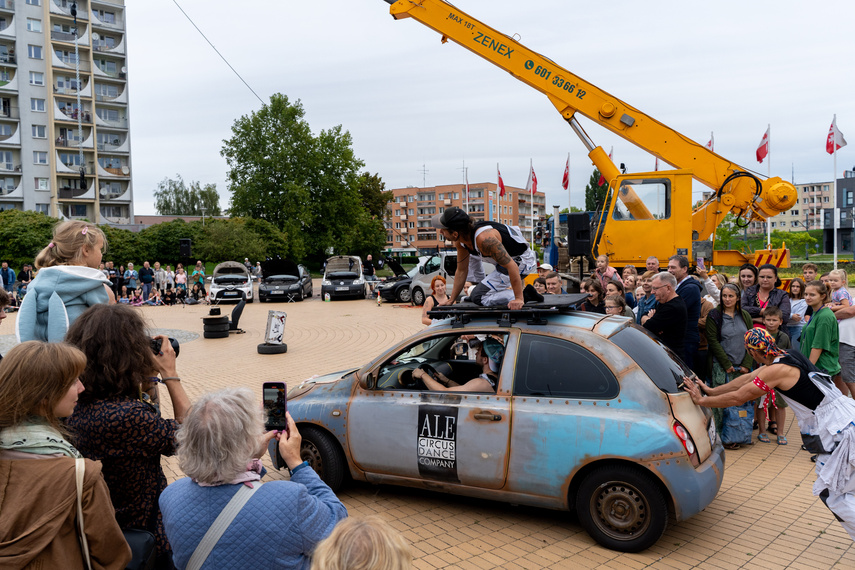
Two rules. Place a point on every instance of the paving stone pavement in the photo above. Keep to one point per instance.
(765, 516)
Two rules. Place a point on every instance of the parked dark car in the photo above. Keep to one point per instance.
(343, 278)
(282, 279)
(397, 288)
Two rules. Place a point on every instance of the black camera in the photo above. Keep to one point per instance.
(156, 343)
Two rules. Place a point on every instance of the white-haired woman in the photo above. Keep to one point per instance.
(219, 446)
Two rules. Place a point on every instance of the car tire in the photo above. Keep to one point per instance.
(418, 297)
(216, 320)
(217, 327)
(302, 294)
(265, 348)
(310, 292)
(324, 456)
(404, 295)
(217, 334)
(622, 508)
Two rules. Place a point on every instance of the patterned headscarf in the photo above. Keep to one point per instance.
(761, 340)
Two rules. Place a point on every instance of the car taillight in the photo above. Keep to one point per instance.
(687, 442)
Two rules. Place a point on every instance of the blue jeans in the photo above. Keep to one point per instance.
(146, 290)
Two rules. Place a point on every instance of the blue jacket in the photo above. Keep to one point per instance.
(8, 276)
(690, 291)
(278, 528)
(55, 298)
(644, 306)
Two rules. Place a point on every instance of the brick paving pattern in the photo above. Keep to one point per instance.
(764, 517)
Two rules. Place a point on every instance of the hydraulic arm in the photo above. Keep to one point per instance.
(734, 188)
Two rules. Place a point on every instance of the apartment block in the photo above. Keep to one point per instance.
(845, 204)
(65, 145)
(408, 228)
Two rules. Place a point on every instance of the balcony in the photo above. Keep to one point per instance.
(67, 37)
(109, 20)
(66, 61)
(10, 167)
(71, 114)
(118, 123)
(403, 204)
(63, 8)
(8, 58)
(7, 5)
(114, 145)
(68, 192)
(9, 113)
(118, 74)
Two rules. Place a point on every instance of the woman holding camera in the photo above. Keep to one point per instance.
(38, 465)
(116, 423)
(220, 444)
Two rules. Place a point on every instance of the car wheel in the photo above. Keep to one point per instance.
(404, 295)
(310, 292)
(217, 328)
(216, 320)
(622, 508)
(265, 348)
(418, 297)
(216, 334)
(323, 455)
(302, 294)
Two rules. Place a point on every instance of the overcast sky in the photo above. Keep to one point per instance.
(732, 67)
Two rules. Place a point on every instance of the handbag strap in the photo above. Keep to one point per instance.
(219, 526)
(79, 473)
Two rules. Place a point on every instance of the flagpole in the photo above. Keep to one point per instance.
(834, 196)
(531, 198)
(769, 175)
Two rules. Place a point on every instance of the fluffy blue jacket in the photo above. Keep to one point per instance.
(55, 298)
(278, 528)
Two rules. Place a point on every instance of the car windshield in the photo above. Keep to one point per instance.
(413, 272)
(342, 275)
(417, 350)
(283, 277)
(230, 279)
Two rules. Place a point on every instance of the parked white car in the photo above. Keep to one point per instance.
(229, 279)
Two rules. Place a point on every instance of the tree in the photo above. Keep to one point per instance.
(374, 195)
(173, 198)
(595, 193)
(573, 209)
(726, 232)
(23, 235)
(307, 186)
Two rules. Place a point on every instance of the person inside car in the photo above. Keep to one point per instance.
(489, 357)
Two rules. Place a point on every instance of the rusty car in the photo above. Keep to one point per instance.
(587, 416)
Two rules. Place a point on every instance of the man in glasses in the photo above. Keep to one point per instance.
(668, 320)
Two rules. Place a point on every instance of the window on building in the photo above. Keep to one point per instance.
(825, 198)
(43, 208)
(42, 183)
(7, 184)
(794, 212)
(805, 189)
(410, 212)
(398, 212)
(5, 130)
(34, 2)
(35, 52)
(37, 105)
(39, 132)
(849, 198)
(398, 238)
(105, 16)
(825, 187)
(39, 157)
(457, 195)
(397, 225)
(773, 224)
(37, 78)
(34, 25)
(794, 224)
(106, 90)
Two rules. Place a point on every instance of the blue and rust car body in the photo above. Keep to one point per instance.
(524, 449)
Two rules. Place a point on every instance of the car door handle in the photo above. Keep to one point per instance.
(488, 417)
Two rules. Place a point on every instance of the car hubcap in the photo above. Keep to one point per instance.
(309, 452)
(620, 510)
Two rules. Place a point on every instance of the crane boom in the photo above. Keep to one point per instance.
(735, 189)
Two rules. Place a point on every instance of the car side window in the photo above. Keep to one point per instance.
(554, 367)
(451, 264)
(432, 265)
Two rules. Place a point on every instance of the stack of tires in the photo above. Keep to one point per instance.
(216, 326)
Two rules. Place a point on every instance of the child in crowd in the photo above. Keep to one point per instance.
(540, 285)
(809, 271)
(616, 305)
(154, 298)
(137, 298)
(68, 282)
(181, 279)
(180, 295)
(773, 319)
(603, 273)
(840, 297)
(169, 297)
(628, 270)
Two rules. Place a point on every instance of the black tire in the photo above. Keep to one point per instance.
(272, 348)
(217, 328)
(404, 295)
(217, 320)
(311, 292)
(324, 456)
(418, 297)
(219, 334)
(622, 508)
(302, 294)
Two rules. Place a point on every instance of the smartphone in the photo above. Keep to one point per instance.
(701, 265)
(275, 396)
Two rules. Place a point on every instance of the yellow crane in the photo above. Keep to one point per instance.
(647, 213)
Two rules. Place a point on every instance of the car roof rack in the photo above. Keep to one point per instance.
(533, 312)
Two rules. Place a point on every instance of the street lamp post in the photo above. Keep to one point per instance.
(203, 208)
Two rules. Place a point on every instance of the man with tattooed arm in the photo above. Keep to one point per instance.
(504, 245)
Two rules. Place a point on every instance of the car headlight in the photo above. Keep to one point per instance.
(326, 282)
(359, 281)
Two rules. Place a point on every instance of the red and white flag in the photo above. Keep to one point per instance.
(711, 144)
(763, 149)
(656, 166)
(531, 185)
(835, 138)
(602, 179)
(565, 182)
(501, 183)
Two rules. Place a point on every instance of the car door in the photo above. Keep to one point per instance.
(451, 437)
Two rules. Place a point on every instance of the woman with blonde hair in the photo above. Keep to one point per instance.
(364, 543)
(67, 283)
(39, 384)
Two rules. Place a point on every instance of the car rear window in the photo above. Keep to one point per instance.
(342, 275)
(657, 360)
(555, 367)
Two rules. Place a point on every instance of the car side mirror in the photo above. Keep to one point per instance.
(368, 382)
(422, 269)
